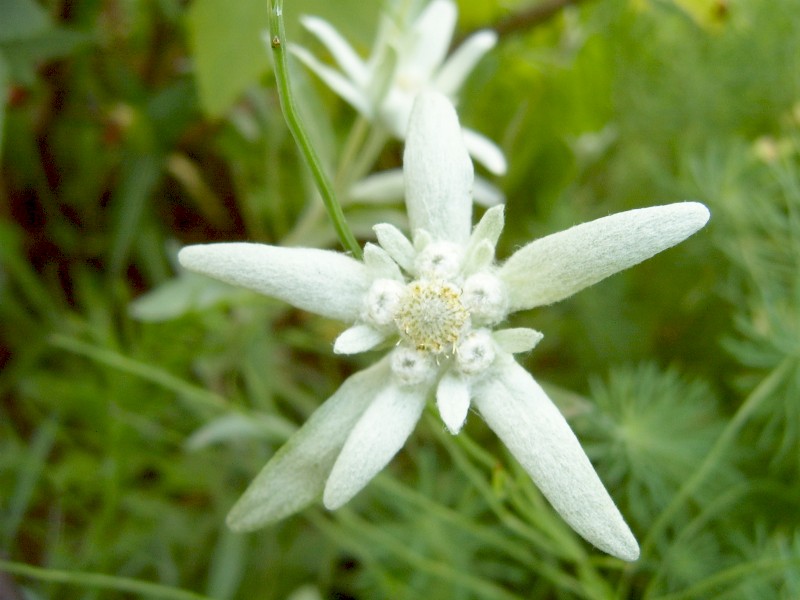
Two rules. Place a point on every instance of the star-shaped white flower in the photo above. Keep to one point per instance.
(403, 63)
(440, 299)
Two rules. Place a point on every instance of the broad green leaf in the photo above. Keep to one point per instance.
(22, 19)
(229, 54)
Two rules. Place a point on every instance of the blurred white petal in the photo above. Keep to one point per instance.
(383, 187)
(430, 38)
(485, 151)
(341, 51)
(486, 194)
(461, 63)
(346, 89)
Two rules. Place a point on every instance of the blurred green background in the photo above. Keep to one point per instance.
(136, 403)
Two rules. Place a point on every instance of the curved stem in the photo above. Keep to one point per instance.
(100, 581)
(295, 124)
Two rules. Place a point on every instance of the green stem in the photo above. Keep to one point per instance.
(295, 124)
(141, 589)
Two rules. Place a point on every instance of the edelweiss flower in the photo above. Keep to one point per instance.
(403, 63)
(441, 298)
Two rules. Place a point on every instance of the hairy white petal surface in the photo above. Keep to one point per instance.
(379, 264)
(555, 267)
(296, 475)
(334, 80)
(302, 277)
(358, 338)
(373, 442)
(452, 399)
(396, 244)
(422, 239)
(485, 151)
(538, 436)
(459, 65)
(489, 227)
(341, 51)
(438, 171)
(478, 257)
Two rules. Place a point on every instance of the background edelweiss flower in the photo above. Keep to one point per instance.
(404, 62)
(442, 296)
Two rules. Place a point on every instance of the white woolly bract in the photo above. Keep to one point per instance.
(320, 281)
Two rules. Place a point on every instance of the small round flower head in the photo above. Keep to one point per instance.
(439, 260)
(485, 298)
(476, 352)
(430, 316)
(412, 367)
(382, 301)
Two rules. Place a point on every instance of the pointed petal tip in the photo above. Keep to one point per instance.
(308, 21)
(536, 433)
(235, 522)
(340, 489)
(698, 211)
(485, 39)
(485, 151)
(453, 400)
(357, 339)
(333, 498)
(630, 552)
(453, 422)
(244, 516)
(622, 546)
(190, 257)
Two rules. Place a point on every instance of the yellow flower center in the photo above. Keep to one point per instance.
(431, 316)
